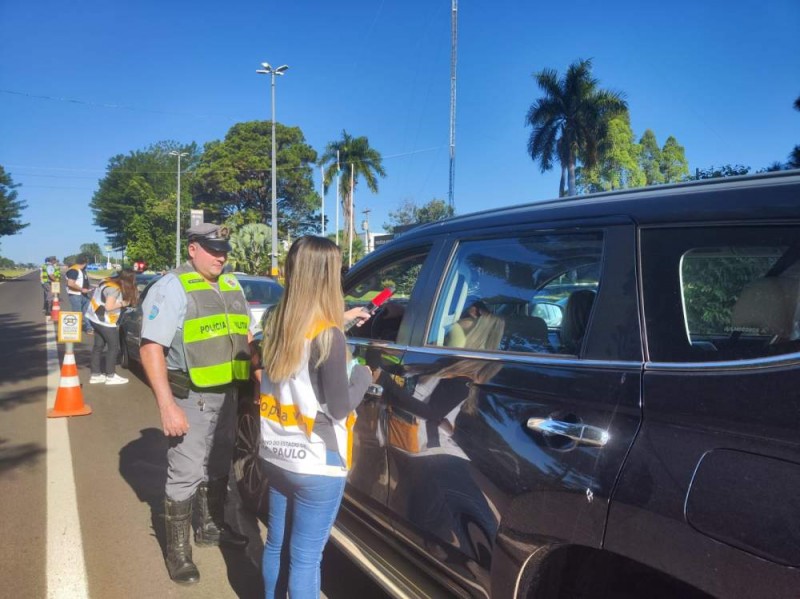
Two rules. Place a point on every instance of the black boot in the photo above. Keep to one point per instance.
(212, 529)
(178, 516)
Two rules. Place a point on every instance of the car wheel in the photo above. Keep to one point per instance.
(124, 353)
(250, 478)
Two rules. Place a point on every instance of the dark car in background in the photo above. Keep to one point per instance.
(260, 292)
(143, 279)
(643, 440)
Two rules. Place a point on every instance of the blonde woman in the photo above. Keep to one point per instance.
(307, 405)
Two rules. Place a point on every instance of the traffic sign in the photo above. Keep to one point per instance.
(69, 327)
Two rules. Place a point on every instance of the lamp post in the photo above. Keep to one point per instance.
(178, 210)
(365, 228)
(268, 70)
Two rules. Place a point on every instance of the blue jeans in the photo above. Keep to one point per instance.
(78, 303)
(302, 509)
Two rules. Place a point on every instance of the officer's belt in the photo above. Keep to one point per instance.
(181, 384)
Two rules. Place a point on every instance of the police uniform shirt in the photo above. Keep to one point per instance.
(50, 270)
(163, 312)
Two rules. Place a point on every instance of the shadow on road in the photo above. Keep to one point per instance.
(143, 465)
(13, 456)
(20, 353)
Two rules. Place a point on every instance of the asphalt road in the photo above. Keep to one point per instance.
(118, 468)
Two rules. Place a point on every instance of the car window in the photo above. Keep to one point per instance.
(399, 275)
(728, 293)
(529, 294)
(261, 291)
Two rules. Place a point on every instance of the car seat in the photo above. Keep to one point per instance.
(525, 333)
(576, 320)
(768, 307)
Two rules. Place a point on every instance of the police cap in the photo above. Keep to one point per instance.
(210, 236)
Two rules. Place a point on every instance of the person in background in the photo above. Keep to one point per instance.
(307, 404)
(105, 307)
(78, 289)
(50, 274)
(196, 330)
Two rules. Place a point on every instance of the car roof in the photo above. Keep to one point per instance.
(723, 199)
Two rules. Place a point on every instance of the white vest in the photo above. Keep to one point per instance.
(78, 282)
(96, 310)
(288, 412)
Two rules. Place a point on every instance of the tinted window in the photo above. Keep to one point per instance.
(726, 293)
(401, 276)
(529, 294)
(261, 291)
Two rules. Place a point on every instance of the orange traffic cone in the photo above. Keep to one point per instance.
(54, 311)
(69, 397)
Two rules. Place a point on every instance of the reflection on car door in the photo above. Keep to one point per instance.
(495, 452)
(381, 342)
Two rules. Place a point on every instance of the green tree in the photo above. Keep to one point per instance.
(358, 248)
(618, 163)
(410, 214)
(250, 249)
(774, 167)
(570, 121)
(135, 202)
(722, 171)
(794, 157)
(674, 167)
(353, 158)
(10, 207)
(234, 178)
(92, 250)
(650, 158)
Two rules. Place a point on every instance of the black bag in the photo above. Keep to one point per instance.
(250, 478)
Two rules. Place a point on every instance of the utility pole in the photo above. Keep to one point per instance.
(268, 70)
(178, 210)
(322, 200)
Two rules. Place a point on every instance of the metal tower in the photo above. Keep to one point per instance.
(453, 61)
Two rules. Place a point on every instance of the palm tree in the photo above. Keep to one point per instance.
(357, 160)
(569, 121)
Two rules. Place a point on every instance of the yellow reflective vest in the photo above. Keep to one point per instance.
(215, 329)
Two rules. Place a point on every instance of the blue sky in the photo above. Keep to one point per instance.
(83, 81)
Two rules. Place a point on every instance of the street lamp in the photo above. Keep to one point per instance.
(365, 228)
(178, 210)
(268, 70)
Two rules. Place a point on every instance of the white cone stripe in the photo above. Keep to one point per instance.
(69, 359)
(70, 381)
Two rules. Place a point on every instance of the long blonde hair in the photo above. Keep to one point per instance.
(313, 294)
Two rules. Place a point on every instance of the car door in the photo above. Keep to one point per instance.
(381, 342)
(715, 472)
(500, 434)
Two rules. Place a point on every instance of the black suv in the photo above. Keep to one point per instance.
(590, 397)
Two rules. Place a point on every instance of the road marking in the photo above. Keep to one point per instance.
(66, 569)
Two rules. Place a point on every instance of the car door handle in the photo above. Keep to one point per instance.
(578, 432)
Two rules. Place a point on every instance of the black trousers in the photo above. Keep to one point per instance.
(106, 343)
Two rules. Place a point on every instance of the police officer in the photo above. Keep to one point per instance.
(50, 274)
(196, 330)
